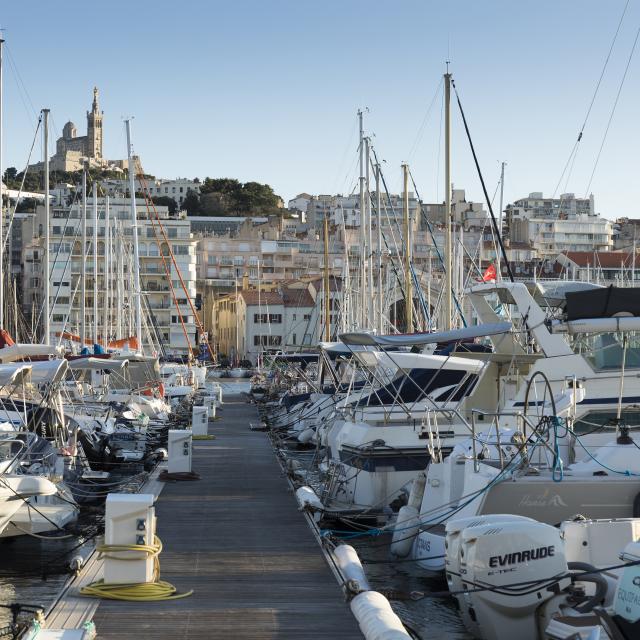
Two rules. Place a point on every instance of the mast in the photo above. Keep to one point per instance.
(379, 222)
(447, 201)
(136, 254)
(1, 202)
(47, 267)
(261, 349)
(363, 302)
(83, 266)
(327, 296)
(498, 269)
(237, 360)
(95, 262)
(119, 283)
(369, 251)
(407, 250)
(107, 251)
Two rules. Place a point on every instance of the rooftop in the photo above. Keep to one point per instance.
(602, 259)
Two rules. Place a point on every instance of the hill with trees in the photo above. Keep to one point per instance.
(230, 197)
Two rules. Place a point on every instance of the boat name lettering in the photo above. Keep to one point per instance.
(522, 556)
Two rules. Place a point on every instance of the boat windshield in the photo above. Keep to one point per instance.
(606, 351)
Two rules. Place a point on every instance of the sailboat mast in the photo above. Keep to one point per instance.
(45, 258)
(1, 202)
(95, 262)
(379, 223)
(83, 266)
(369, 252)
(447, 202)
(327, 296)
(136, 254)
(119, 283)
(499, 269)
(363, 302)
(107, 283)
(407, 250)
(237, 359)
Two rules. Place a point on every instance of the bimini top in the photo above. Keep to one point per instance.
(413, 339)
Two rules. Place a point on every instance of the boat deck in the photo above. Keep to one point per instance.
(238, 540)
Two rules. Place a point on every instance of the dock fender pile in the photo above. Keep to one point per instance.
(376, 617)
(351, 568)
(308, 499)
(305, 436)
(404, 532)
(417, 490)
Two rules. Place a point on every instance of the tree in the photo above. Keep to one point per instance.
(9, 177)
(26, 204)
(166, 201)
(191, 203)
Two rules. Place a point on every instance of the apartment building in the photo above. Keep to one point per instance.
(345, 210)
(252, 322)
(161, 276)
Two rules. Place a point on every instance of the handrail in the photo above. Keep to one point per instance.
(23, 445)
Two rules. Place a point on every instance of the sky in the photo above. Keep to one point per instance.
(269, 90)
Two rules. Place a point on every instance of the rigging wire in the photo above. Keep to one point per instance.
(574, 151)
(484, 188)
(613, 110)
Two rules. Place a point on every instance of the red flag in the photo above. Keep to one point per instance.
(490, 274)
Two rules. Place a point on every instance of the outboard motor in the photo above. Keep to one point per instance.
(455, 579)
(506, 569)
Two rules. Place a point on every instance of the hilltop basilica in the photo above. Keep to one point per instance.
(72, 150)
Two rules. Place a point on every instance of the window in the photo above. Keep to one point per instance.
(260, 318)
(267, 341)
(172, 232)
(295, 339)
(57, 317)
(275, 318)
(294, 318)
(307, 316)
(212, 260)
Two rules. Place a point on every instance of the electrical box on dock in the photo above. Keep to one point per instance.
(213, 389)
(199, 420)
(129, 520)
(211, 403)
(179, 444)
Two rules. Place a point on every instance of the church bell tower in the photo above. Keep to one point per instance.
(94, 128)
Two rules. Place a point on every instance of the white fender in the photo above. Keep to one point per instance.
(417, 491)
(376, 617)
(305, 436)
(307, 498)
(350, 566)
(404, 532)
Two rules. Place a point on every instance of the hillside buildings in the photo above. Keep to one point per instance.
(164, 324)
(554, 225)
(74, 151)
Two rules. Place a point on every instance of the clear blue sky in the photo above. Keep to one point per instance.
(268, 90)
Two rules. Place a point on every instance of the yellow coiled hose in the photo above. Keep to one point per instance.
(139, 592)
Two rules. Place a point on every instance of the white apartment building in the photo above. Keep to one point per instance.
(253, 322)
(537, 206)
(554, 225)
(551, 236)
(162, 317)
(300, 203)
(345, 210)
(176, 189)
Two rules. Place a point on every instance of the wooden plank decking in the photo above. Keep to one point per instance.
(236, 538)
